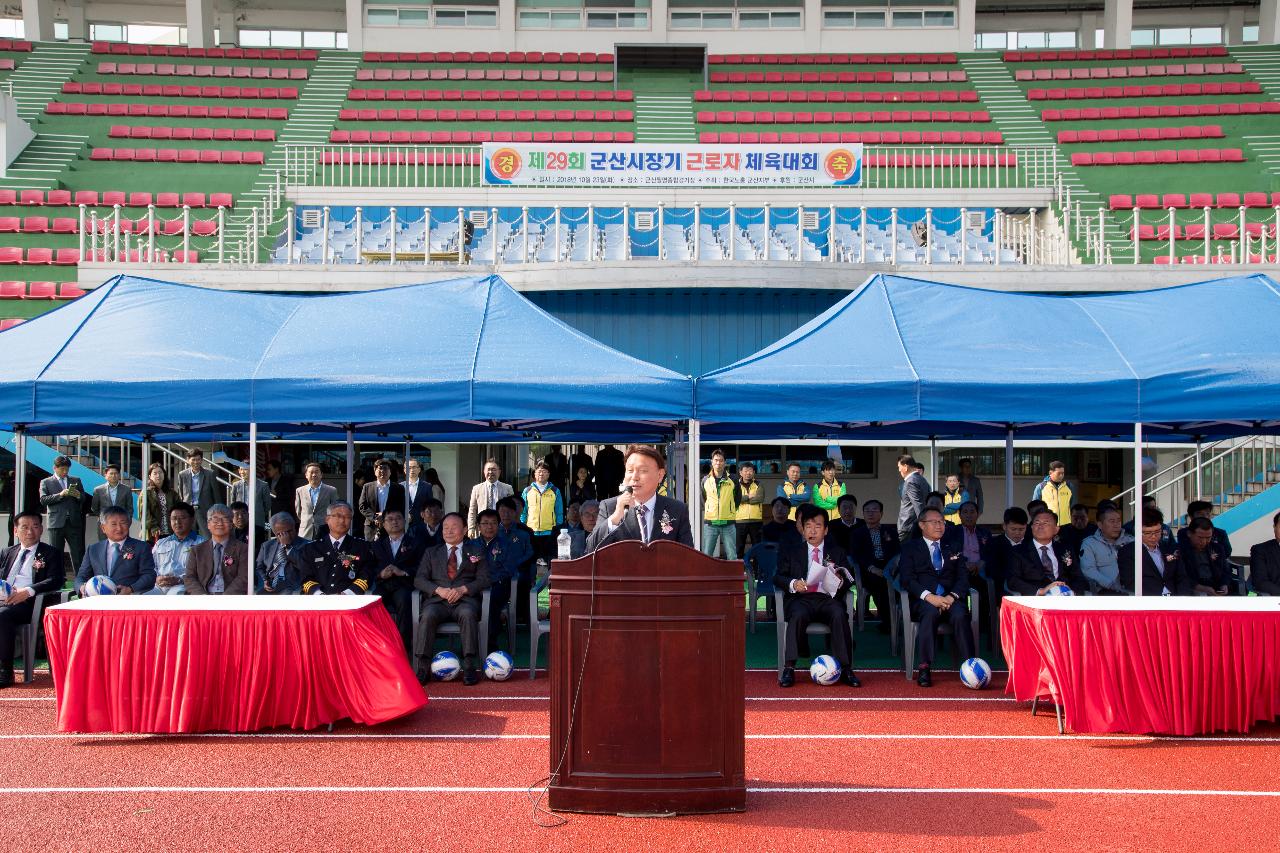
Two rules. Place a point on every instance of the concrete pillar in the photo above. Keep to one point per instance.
(1087, 35)
(507, 22)
(77, 25)
(659, 19)
(967, 25)
(1268, 22)
(355, 25)
(1233, 26)
(37, 19)
(200, 18)
(812, 25)
(228, 29)
(1117, 24)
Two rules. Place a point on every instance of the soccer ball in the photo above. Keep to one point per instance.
(498, 666)
(825, 670)
(1060, 590)
(100, 585)
(6, 590)
(445, 666)
(975, 673)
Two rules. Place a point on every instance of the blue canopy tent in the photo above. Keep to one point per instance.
(901, 357)
(463, 360)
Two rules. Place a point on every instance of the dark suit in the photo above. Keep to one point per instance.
(677, 519)
(203, 498)
(418, 502)
(1215, 573)
(609, 470)
(368, 507)
(282, 494)
(135, 568)
(915, 488)
(396, 592)
(472, 571)
(48, 574)
(800, 609)
(1027, 575)
(200, 569)
(64, 521)
(863, 550)
(322, 569)
(1174, 577)
(919, 576)
(843, 533)
(291, 580)
(1264, 567)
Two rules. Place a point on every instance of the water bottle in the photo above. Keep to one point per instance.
(564, 545)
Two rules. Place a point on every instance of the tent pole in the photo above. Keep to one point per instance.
(1199, 472)
(933, 462)
(20, 471)
(1008, 468)
(1137, 509)
(251, 498)
(694, 468)
(146, 478)
(351, 465)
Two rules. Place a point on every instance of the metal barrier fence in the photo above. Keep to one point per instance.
(885, 166)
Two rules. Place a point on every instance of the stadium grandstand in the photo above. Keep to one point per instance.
(689, 182)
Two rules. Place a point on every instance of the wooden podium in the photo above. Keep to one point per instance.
(654, 660)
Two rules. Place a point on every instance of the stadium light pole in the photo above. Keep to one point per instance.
(1137, 509)
(251, 496)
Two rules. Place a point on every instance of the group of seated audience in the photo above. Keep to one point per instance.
(411, 543)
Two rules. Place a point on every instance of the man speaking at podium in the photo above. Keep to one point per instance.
(640, 512)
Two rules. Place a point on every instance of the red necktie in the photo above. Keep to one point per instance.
(453, 563)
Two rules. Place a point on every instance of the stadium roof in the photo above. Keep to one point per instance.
(468, 359)
(905, 358)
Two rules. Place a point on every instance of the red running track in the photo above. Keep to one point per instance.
(866, 769)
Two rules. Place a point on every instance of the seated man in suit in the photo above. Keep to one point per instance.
(426, 529)
(396, 556)
(1041, 561)
(780, 528)
(1264, 562)
(380, 497)
(119, 556)
(32, 568)
(1204, 562)
(1204, 509)
(844, 522)
(872, 546)
(588, 517)
(1000, 550)
(453, 576)
(969, 539)
(277, 570)
(640, 512)
(1162, 570)
(808, 600)
(220, 564)
(337, 563)
(936, 578)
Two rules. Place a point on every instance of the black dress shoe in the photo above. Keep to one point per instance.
(471, 676)
(6, 677)
(423, 674)
(851, 679)
(788, 677)
(924, 679)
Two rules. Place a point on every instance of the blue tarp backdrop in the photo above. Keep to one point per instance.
(447, 357)
(924, 358)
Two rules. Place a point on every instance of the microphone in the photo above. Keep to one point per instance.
(631, 490)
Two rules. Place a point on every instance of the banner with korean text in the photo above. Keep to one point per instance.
(611, 165)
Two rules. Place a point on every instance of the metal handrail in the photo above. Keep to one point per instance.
(1268, 446)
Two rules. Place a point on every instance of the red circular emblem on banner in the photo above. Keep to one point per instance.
(505, 163)
(840, 163)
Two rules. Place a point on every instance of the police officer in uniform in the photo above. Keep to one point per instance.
(337, 563)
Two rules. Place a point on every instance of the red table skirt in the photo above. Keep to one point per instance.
(173, 669)
(1166, 670)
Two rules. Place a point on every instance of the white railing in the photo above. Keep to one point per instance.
(1225, 472)
(698, 234)
(1203, 235)
(885, 166)
(118, 238)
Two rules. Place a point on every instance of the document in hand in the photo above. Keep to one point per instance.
(822, 579)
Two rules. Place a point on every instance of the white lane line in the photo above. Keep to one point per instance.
(377, 736)
(442, 789)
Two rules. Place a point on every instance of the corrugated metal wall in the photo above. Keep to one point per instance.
(688, 330)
